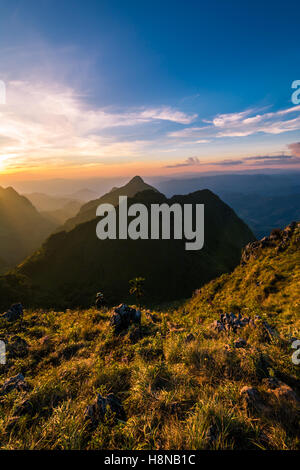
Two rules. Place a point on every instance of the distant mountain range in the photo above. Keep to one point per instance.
(56, 209)
(263, 201)
(72, 266)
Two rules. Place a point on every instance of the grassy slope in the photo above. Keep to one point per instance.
(175, 394)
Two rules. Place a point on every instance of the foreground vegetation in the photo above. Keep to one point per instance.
(179, 380)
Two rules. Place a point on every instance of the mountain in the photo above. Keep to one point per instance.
(88, 210)
(72, 266)
(45, 202)
(267, 279)
(84, 195)
(263, 213)
(263, 201)
(22, 228)
(60, 216)
(180, 381)
(269, 185)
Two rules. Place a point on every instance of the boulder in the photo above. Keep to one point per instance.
(123, 317)
(14, 313)
(14, 383)
(96, 412)
(280, 390)
(230, 322)
(251, 399)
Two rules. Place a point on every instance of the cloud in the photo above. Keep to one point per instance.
(228, 162)
(189, 132)
(54, 123)
(255, 160)
(295, 149)
(168, 114)
(191, 161)
(243, 124)
(273, 159)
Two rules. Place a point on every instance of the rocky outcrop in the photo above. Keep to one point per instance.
(278, 239)
(231, 322)
(14, 383)
(123, 317)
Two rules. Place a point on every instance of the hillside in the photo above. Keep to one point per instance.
(22, 228)
(177, 381)
(72, 266)
(88, 210)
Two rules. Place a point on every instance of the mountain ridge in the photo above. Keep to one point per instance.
(72, 265)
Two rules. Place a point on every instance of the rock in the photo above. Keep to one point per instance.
(123, 317)
(251, 398)
(14, 383)
(96, 412)
(18, 347)
(230, 322)
(279, 239)
(280, 390)
(14, 313)
(240, 343)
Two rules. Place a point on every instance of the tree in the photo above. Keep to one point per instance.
(137, 288)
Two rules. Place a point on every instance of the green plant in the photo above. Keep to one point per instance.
(137, 288)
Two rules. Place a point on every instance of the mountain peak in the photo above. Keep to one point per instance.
(136, 179)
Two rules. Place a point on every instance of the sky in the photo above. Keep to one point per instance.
(116, 88)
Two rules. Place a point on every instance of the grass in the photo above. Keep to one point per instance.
(177, 393)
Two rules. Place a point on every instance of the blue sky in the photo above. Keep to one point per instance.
(121, 86)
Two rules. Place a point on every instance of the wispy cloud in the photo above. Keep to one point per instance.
(273, 159)
(195, 161)
(191, 161)
(55, 123)
(255, 160)
(242, 124)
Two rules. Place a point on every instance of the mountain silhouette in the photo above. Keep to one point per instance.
(71, 266)
(88, 211)
(22, 228)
